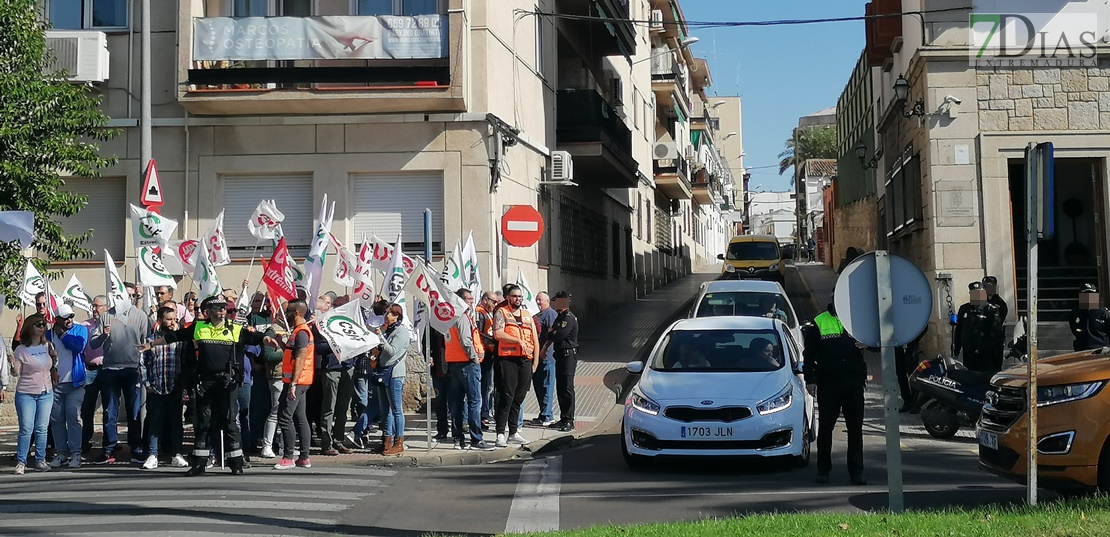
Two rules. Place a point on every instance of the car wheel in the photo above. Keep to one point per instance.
(801, 461)
(632, 460)
(1104, 468)
(940, 422)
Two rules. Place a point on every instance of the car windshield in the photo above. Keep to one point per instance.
(752, 251)
(746, 304)
(731, 351)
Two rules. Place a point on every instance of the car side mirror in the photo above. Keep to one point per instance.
(635, 367)
(721, 257)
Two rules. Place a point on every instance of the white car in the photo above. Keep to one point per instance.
(719, 386)
(746, 298)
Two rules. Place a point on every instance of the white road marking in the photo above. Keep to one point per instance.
(535, 505)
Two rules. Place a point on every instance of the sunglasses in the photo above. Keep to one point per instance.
(40, 325)
(40, 304)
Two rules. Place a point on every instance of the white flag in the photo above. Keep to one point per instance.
(396, 277)
(33, 284)
(345, 264)
(471, 274)
(185, 251)
(214, 243)
(364, 273)
(529, 298)
(445, 307)
(152, 272)
(406, 322)
(265, 221)
(150, 228)
(116, 292)
(205, 275)
(345, 331)
(314, 263)
(452, 275)
(75, 295)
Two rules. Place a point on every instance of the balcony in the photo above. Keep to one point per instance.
(668, 82)
(672, 178)
(321, 65)
(615, 37)
(706, 189)
(597, 138)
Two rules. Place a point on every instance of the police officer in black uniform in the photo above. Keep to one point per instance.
(979, 333)
(215, 376)
(836, 371)
(564, 336)
(990, 284)
(1090, 321)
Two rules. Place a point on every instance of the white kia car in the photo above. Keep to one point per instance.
(746, 298)
(719, 386)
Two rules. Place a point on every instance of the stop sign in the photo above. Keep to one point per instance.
(522, 226)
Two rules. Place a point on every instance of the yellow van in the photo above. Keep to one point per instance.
(754, 257)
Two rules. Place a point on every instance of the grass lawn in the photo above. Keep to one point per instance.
(1079, 518)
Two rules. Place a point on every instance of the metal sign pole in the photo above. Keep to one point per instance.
(1032, 209)
(890, 383)
(428, 333)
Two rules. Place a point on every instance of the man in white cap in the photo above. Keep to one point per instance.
(69, 340)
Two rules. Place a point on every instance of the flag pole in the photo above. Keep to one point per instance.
(251, 267)
(428, 332)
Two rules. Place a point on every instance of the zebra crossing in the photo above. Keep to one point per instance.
(103, 500)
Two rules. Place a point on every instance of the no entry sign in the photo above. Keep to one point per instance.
(522, 226)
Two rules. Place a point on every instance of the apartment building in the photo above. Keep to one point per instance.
(389, 107)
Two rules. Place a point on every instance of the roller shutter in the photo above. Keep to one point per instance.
(106, 214)
(385, 205)
(293, 194)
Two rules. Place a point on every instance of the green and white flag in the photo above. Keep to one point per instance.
(150, 228)
(205, 275)
(452, 275)
(471, 274)
(396, 277)
(346, 332)
(33, 284)
(76, 296)
(116, 293)
(152, 272)
(529, 297)
(314, 263)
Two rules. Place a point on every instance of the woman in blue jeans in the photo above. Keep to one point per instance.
(391, 370)
(35, 367)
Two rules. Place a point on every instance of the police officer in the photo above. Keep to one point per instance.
(216, 374)
(990, 284)
(1090, 321)
(835, 369)
(978, 332)
(564, 336)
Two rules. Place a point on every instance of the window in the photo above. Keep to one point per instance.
(903, 191)
(399, 7)
(83, 14)
(250, 8)
(746, 304)
(540, 36)
(107, 201)
(616, 236)
(753, 251)
(391, 205)
(584, 239)
(731, 351)
(293, 195)
(296, 8)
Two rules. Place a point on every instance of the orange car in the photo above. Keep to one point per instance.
(1073, 422)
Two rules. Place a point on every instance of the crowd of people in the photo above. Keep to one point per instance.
(263, 383)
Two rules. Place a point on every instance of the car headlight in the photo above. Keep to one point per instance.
(781, 401)
(773, 267)
(729, 268)
(643, 404)
(1054, 395)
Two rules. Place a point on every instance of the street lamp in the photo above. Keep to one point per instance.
(902, 94)
(729, 135)
(861, 153)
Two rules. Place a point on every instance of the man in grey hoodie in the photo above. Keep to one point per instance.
(125, 328)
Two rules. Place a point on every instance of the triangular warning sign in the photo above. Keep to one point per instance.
(152, 187)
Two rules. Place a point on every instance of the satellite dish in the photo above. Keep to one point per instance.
(857, 300)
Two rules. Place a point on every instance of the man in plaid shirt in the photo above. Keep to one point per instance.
(161, 372)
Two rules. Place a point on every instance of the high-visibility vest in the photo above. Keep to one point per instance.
(216, 347)
(828, 325)
(455, 351)
(288, 363)
(524, 331)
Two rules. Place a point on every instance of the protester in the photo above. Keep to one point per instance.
(483, 315)
(35, 366)
(543, 379)
(266, 384)
(464, 375)
(437, 357)
(337, 387)
(191, 308)
(123, 331)
(94, 359)
(162, 379)
(297, 370)
(5, 369)
(69, 341)
(40, 309)
(517, 350)
(391, 371)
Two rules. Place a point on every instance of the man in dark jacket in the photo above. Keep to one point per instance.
(1090, 321)
(835, 369)
(978, 335)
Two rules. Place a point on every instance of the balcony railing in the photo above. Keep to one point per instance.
(584, 116)
(677, 166)
(665, 68)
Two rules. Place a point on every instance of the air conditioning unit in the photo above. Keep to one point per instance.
(562, 166)
(616, 88)
(690, 152)
(665, 151)
(656, 20)
(83, 54)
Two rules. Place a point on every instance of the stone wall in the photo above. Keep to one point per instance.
(1025, 100)
(855, 225)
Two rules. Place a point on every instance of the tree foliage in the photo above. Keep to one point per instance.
(48, 127)
(813, 142)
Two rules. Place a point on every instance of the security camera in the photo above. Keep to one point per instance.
(953, 100)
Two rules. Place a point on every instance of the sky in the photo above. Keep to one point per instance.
(781, 73)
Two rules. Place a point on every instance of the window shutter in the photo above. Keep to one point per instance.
(388, 205)
(106, 213)
(293, 195)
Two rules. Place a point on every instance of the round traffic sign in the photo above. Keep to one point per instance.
(857, 300)
(522, 226)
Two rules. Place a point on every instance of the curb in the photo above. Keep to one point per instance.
(809, 292)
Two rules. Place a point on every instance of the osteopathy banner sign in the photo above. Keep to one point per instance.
(320, 38)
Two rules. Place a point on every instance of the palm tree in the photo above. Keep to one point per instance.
(813, 142)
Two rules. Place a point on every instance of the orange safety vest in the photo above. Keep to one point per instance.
(487, 325)
(455, 351)
(288, 363)
(524, 331)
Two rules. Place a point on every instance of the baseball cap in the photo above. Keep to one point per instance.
(64, 312)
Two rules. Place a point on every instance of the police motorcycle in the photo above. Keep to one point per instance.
(950, 396)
